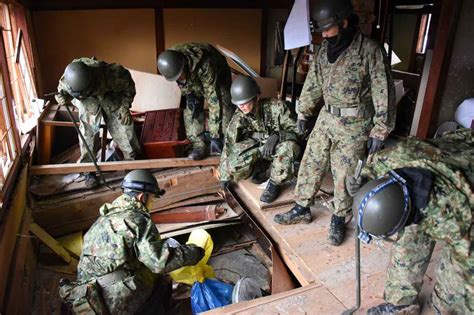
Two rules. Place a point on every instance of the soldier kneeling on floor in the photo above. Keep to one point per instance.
(123, 256)
(261, 132)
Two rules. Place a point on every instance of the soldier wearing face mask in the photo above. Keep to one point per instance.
(352, 75)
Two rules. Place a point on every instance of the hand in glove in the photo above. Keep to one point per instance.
(374, 145)
(61, 99)
(302, 126)
(269, 147)
(353, 185)
(216, 146)
(195, 104)
(124, 116)
(193, 254)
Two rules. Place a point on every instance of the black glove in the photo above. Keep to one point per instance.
(302, 126)
(269, 147)
(193, 254)
(374, 145)
(195, 104)
(216, 146)
(353, 185)
(388, 308)
(225, 184)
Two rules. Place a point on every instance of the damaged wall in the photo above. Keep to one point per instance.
(125, 36)
(460, 74)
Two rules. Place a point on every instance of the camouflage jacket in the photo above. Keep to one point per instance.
(449, 213)
(359, 78)
(124, 237)
(114, 86)
(207, 69)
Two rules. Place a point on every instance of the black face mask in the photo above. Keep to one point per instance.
(337, 44)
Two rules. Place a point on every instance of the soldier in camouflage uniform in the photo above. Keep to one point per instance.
(353, 77)
(202, 73)
(100, 90)
(261, 130)
(439, 206)
(123, 255)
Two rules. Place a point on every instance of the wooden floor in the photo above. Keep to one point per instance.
(326, 272)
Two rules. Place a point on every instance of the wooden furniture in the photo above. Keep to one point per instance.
(163, 134)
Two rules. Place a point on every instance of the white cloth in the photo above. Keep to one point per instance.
(465, 113)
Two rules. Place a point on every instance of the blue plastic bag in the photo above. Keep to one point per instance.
(210, 294)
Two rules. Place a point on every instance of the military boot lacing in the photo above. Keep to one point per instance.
(271, 192)
(337, 230)
(390, 309)
(297, 214)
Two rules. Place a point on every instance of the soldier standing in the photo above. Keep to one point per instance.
(123, 255)
(353, 77)
(202, 73)
(261, 130)
(423, 191)
(100, 90)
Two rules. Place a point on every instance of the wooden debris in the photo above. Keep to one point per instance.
(72, 243)
(50, 242)
(188, 214)
(203, 199)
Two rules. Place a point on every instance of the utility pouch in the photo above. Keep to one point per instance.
(84, 298)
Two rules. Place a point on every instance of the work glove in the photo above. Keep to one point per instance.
(61, 99)
(388, 308)
(124, 116)
(374, 145)
(195, 104)
(193, 254)
(269, 147)
(353, 185)
(302, 126)
(225, 184)
(216, 146)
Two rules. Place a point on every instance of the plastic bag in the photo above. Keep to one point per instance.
(201, 271)
(210, 294)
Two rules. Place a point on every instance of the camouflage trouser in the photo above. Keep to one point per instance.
(240, 161)
(124, 136)
(219, 117)
(339, 146)
(454, 291)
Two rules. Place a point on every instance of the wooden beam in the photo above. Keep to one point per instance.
(70, 168)
(50, 242)
(445, 30)
(159, 32)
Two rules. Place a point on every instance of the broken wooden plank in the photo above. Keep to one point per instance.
(72, 243)
(281, 278)
(50, 242)
(186, 214)
(50, 169)
(206, 199)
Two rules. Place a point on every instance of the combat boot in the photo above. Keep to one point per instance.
(259, 172)
(297, 214)
(271, 192)
(336, 230)
(90, 180)
(390, 309)
(197, 154)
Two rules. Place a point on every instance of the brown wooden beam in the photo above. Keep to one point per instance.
(159, 32)
(70, 168)
(445, 30)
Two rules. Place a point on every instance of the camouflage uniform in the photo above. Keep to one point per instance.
(113, 94)
(241, 151)
(208, 76)
(359, 79)
(125, 238)
(448, 217)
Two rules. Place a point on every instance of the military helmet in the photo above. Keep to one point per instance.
(382, 207)
(78, 76)
(141, 181)
(171, 64)
(243, 90)
(327, 13)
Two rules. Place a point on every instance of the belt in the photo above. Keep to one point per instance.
(346, 112)
(111, 278)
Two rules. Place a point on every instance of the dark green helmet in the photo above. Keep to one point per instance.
(327, 13)
(78, 76)
(171, 64)
(382, 207)
(141, 181)
(243, 90)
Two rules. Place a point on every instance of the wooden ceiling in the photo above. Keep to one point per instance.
(36, 5)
